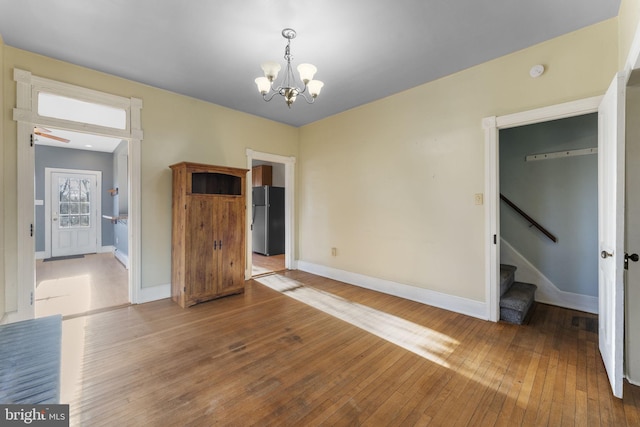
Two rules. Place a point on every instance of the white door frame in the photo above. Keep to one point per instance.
(48, 200)
(289, 204)
(492, 126)
(26, 115)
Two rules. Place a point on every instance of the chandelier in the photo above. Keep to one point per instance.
(288, 87)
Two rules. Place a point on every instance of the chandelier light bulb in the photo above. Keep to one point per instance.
(264, 85)
(315, 86)
(271, 70)
(307, 71)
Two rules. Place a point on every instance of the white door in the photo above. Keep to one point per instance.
(611, 133)
(73, 213)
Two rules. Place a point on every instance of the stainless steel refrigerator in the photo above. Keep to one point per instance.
(267, 225)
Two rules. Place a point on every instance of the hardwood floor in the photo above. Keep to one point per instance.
(79, 285)
(266, 264)
(265, 358)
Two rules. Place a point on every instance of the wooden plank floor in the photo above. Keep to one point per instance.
(264, 358)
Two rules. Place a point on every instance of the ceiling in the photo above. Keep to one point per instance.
(78, 141)
(364, 49)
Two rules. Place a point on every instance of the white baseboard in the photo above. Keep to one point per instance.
(41, 255)
(106, 249)
(425, 296)
(154, 293)
(547, 292)
(632, 382)
(122, 257)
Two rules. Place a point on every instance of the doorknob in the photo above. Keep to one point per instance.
(605, 254)
(632, 257)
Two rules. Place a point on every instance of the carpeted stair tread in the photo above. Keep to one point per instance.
(507, 273)
(518, 296)
(516, 302)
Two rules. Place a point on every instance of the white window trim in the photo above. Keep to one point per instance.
(25, 114)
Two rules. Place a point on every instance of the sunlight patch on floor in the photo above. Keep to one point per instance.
(73, 343)
(66, 295)
(418, 339)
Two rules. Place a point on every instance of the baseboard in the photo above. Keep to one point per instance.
(122, 257)
(154, 293)
(106, 249)
(632, 382)
(41, 255)
(547, 292)
(425, 296)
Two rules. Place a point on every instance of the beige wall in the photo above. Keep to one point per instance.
(176, 128)
(628, 19)
(391, 184)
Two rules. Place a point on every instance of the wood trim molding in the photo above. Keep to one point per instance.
(20, 283)
(553, 112)
(492, 126)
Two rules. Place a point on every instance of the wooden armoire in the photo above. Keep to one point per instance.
(208, 232)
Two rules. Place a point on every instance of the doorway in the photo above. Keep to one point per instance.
(270, 219)
(113, 116)
(267, 217)
(492, 126)
(549, 208)
(81, 227)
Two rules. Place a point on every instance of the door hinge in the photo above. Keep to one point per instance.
(32, 140)
(184, 289)
(495, 239)
(31, 230)
(31, 298)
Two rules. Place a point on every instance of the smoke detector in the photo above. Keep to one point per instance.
(536, 71)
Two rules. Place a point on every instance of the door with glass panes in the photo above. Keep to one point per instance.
(73, 213)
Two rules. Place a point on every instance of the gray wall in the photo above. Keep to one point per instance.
(65, 158)
(561, 194)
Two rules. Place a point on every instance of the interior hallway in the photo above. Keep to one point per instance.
(75, 286)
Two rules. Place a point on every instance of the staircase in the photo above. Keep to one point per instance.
(516, 298)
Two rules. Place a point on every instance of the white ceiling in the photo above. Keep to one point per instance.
(79, 141)
(364, 49)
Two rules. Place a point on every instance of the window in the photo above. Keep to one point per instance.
(61, 107)
(75, 203)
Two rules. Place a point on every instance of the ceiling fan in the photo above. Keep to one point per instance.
(45, 133)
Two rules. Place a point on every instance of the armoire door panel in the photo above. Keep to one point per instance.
(200, 261)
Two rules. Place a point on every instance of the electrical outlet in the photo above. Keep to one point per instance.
(478, 198)
(334, 251)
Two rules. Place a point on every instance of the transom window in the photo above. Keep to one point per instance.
(62, 107)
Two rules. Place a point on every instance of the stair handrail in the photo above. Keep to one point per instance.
(528, 218)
